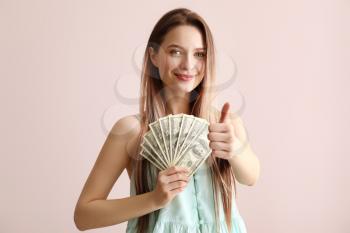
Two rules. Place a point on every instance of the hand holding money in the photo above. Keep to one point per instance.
(170, 182)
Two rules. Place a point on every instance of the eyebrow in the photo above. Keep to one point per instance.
(178, 46)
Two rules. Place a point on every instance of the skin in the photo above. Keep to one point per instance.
(227, 138)
(189, 59)
(93, 210)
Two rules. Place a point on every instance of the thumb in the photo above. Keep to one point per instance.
(224, 112)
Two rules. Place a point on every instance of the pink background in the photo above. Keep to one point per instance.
(67, 74)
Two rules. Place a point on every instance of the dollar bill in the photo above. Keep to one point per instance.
(151, 145)
(185, 129)
(170, 127)
(196, 127)
(176, 122)
(148, 155)
(180, 140)
(196, 152)
(199, 164)
(164, 126)
(158, 135)
(204, 138)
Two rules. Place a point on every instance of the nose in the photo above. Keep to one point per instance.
(188, 62)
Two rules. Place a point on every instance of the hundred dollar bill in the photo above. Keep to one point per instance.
(158, 135)
(206, 150)
(146, 154)
(164, 126)
(179, 139)
(197, 126)
(185, 129)
(170, 127)
(176, 122)
(196, 153)
(194, 170)
(149, 143)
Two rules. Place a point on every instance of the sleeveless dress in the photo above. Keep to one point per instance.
(192, 210)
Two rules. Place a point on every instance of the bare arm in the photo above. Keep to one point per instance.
(102, 213)
(245, 164)
(93, 210)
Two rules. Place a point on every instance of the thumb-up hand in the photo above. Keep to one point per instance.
(224, 113)
(221, 135)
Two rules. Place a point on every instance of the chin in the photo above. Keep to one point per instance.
(186, 88)
(182, 90)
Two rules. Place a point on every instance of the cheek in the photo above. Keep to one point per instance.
(172, 64)
(164, 68)
(199, 79)
(201, 69)
(168, 66)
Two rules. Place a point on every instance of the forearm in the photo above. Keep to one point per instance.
(102, 213)
(245, 164)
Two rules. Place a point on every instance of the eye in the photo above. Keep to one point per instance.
(175, 52)
(201, 54)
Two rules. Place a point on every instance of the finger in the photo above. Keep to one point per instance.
(219, 137)
(177, 191)
(220, 146)
(175, 169)
(177, 177)
(224, 112)
(219, 127)
(175, 185)
(221, 154)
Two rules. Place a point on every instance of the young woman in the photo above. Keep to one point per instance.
(177, 77)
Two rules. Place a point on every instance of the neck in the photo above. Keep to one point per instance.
(177, 103)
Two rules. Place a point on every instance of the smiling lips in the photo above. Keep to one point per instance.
(184, 77)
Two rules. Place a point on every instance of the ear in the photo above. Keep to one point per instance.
(153, 56)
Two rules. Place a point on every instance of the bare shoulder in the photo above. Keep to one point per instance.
(127, 129)
(113, 158)
(127, 126)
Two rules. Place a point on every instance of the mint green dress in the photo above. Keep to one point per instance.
(191, 211)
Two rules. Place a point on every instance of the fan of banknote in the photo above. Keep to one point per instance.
(180, 140)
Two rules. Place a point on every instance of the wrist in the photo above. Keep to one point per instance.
(156, 203)
(237, 147)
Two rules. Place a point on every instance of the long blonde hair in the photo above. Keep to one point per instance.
(152, 107)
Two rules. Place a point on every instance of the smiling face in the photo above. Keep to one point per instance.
(181, 59)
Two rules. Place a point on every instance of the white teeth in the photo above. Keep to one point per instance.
(185, 76)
